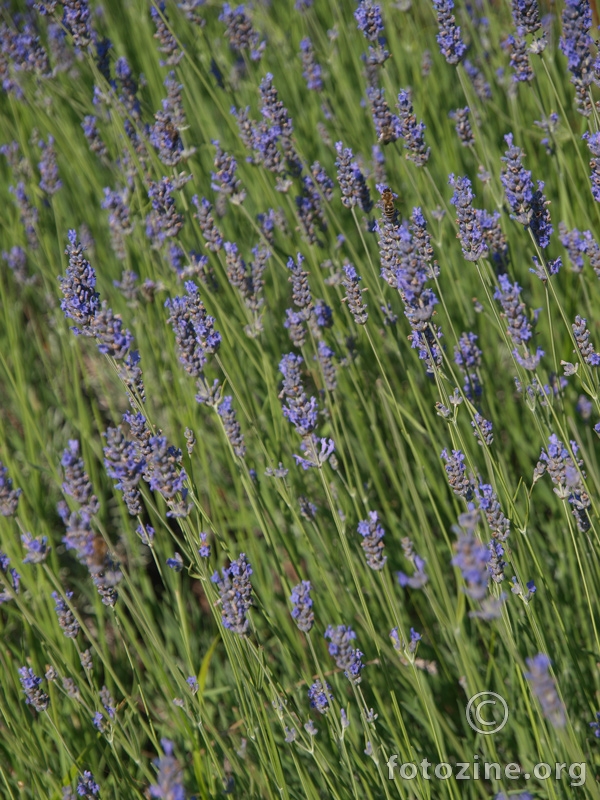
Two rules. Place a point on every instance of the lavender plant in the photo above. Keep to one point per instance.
(263, 264)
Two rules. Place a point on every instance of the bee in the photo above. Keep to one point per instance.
(387, 203)
(97, 557)
(171, 134)
(387, 135)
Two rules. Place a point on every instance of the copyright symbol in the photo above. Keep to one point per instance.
(489, 723)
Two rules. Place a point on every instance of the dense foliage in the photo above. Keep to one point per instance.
(300, 405)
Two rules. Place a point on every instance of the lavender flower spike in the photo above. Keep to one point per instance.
(235, 591)
(232, 427)
(50, 181)
(346, 656)
(300, 410)
(320, 697)
(369, 21)
(66, 618)
(543, 686)
(576, 44)
(80, 299)
(526, 16)
(170, 775)
(528, 204)
(352, 181)
(449, 39)
(472, 558)
(240, 31)
(582, 338)
(195, 334)
(469, 228)
(593, 142)
(37, 548)
(87, 786)
(356, 305)
(31, 686)
(303, 603)
(411, 130)
(311, 69)
(457, 474)
(372, 533)
(9, 497)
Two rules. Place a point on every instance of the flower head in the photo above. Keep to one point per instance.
(303, 603)
(9, 497)
(543, 686)
(31, 686)
(235, 591)
(346, 656)
(80, 299)
(449, 38)
(372, 532)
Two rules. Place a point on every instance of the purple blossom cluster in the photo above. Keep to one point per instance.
(167, 43)
(472, 559)
(370, 23)
(210, 232)
(31, 686)
(119, 218)
(320, 696)
(488, 503)
(14, 579)
(576, 44)
(240, 32)
(411, 131)
(567, 475)
(165, 133)
(406, 265)
(387, 125)
(9, 497)
(169, 784)
(456, 473)
(224, 178)
(355, 191)
(593, 143)
(299, 409)
(195, 334)
(528, 204)
(81, 303)
(66, 618)
(347, 657)
(519, 59)
(302, 612)
(582, 340)
(419, 577)
(462, 126)
(467, 356)
(526, 16)
(76, 21)
(124, 464)
(311, 69)
(91, 549)
(50, 181)
(449, 37)
(235, 593)
(28, 213)
(372, 533)
(519, 328)
(470, 232)
(231, 426)
(356, 305)
(163, 221)
(167, 476)
(543, 686)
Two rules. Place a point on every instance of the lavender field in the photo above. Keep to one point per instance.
(299, 399)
